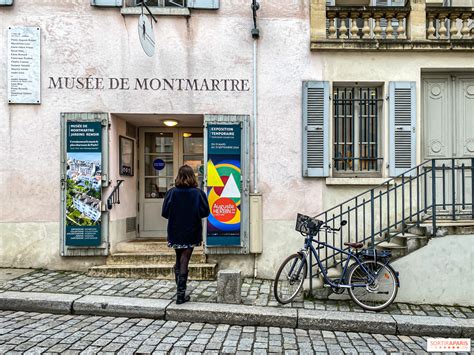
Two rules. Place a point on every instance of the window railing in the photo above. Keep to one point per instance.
(356, 114)
(372, 22)
(449, 23)
(157, 3)
(419, 25)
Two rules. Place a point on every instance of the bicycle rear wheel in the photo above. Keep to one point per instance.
(380, 293)
(289, 278)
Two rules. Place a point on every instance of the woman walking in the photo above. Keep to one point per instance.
(184, 206)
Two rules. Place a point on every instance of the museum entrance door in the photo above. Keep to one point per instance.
(162, 151)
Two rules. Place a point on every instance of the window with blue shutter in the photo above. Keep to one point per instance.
(6, 2)
(402, 100)
(315, 128)
(107, 3)
(203, 4)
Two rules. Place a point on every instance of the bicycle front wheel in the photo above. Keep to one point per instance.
(289, 278)
(377, 294)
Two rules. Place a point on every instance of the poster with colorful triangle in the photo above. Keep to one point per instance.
(224, 185)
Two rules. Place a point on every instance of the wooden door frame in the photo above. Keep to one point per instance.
(178, 150)
(141, 168)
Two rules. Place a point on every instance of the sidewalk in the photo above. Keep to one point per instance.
(73, 292)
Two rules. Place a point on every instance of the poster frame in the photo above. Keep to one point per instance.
(122, 140)
(103, 248)
(244, 122)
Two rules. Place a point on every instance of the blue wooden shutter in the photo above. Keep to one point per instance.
(6, 2)
(107, 3)
(203, 4)
(402, 98)
(315, 128)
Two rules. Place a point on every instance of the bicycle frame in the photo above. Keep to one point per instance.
(309, 246)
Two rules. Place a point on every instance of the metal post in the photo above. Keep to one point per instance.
(453, 184)
(433, 195)
(310, 272)
(472, 188)
(356, 220)
(372, 218)
(463, 188)
(444, 186)
(403, 204)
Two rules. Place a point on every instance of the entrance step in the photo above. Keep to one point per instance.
(164, 257)
(153, 271)
(445, 227)
(151, 258)
(143, 246)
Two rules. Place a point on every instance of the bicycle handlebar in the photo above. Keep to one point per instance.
(329, 229)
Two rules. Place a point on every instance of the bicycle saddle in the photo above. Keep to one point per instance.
(354, 245)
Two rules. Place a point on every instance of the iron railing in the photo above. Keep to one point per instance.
(114, 197)
(435, 189)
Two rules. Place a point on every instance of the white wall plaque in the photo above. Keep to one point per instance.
(24, 65)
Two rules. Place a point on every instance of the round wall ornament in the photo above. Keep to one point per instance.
(146, 35)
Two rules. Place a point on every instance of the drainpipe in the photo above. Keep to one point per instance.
(255, 35)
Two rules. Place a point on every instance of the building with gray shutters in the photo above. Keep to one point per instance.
(348, 95)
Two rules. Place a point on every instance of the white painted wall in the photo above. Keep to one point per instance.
(442, 272)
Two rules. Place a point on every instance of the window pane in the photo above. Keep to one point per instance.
(158, 142)
(356, 128)
(193, 143)
(150, 169)
(344, 128)
(157, 187)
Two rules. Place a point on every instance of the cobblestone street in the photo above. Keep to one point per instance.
(254, 292)
(34, 333)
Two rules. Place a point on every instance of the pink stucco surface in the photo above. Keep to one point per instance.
(80, 41)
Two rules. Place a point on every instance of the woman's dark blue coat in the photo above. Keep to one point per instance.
(184, 207)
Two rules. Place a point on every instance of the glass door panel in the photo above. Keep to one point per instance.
(158, 163)
(159, 142)
(193, 153)
(157, 187)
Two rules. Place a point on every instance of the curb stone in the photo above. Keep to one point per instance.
(435, 326)
(121, 306)
(37, 302)
(236, 314)
(347, 321)
(467, 326)
(232, 314)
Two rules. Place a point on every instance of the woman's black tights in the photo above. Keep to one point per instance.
(182, 259)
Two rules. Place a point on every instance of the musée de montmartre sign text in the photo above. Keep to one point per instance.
(154, 84)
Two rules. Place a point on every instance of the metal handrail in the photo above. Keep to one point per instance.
(114, 197)
(418, 195)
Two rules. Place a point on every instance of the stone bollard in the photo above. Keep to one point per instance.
(228, 286)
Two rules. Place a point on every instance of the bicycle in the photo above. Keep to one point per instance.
(371, 281)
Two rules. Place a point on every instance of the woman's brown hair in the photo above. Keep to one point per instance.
(186, 177)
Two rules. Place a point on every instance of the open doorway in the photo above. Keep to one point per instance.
(161, 150)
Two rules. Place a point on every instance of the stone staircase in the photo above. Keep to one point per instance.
(414, 238)
(152, 259)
